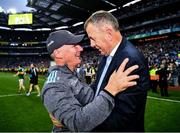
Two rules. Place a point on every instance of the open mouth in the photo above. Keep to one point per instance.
(78, 56)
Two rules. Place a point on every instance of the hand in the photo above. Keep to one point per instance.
(119, 81)
(55, 121)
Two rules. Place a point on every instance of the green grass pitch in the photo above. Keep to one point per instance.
(27, 114)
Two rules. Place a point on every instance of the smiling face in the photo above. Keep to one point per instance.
(71, 55)
(99, 38)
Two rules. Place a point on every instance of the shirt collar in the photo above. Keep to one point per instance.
(114, 50)
(63, 69)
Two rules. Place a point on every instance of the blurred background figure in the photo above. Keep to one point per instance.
(90, 73)
(81, 72)
(153, 78)
(164, 76)
(20, 73)
(178, 70)
(33, 75)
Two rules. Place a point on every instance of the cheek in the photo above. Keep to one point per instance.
(101, 45)
(101, 42)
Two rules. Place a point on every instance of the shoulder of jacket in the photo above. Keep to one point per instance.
(57, 76)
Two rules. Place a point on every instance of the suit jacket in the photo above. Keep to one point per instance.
(128, 113)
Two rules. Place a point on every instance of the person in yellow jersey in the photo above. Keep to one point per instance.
(153, 78)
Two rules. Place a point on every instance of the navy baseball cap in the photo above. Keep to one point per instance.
(62, 37)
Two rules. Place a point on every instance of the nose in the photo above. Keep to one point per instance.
(92, 45)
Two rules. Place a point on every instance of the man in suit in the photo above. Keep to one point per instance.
(128, 115)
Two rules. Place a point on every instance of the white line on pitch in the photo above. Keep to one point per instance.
(10, 95)
(162, 99)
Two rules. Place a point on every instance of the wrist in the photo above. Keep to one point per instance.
(111, 90)
(107, 92)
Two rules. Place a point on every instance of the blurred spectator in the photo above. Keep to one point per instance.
(164, 76)
(21, 73)
(33, 75)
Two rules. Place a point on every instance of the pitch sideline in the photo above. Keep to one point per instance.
(10, 95)
(161, 99)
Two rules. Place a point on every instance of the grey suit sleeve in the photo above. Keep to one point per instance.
(76, 117)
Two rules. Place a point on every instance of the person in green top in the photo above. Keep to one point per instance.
(21, 73)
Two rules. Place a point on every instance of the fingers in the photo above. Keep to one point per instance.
(129, 84)
(130, 69)
(132, 77)
(123, 64)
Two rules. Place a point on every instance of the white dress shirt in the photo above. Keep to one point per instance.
(108, 61)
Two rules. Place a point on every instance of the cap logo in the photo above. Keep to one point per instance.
(51, 42)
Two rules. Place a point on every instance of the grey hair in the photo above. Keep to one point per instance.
(102, 17)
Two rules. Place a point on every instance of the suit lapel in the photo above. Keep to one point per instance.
(101, 68)
(116, 59)
(108, 73)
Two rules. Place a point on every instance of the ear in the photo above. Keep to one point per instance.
(109, 33)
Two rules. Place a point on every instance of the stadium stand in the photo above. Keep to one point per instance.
(152, 25)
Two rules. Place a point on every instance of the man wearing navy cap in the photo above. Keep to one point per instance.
(71, 103)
